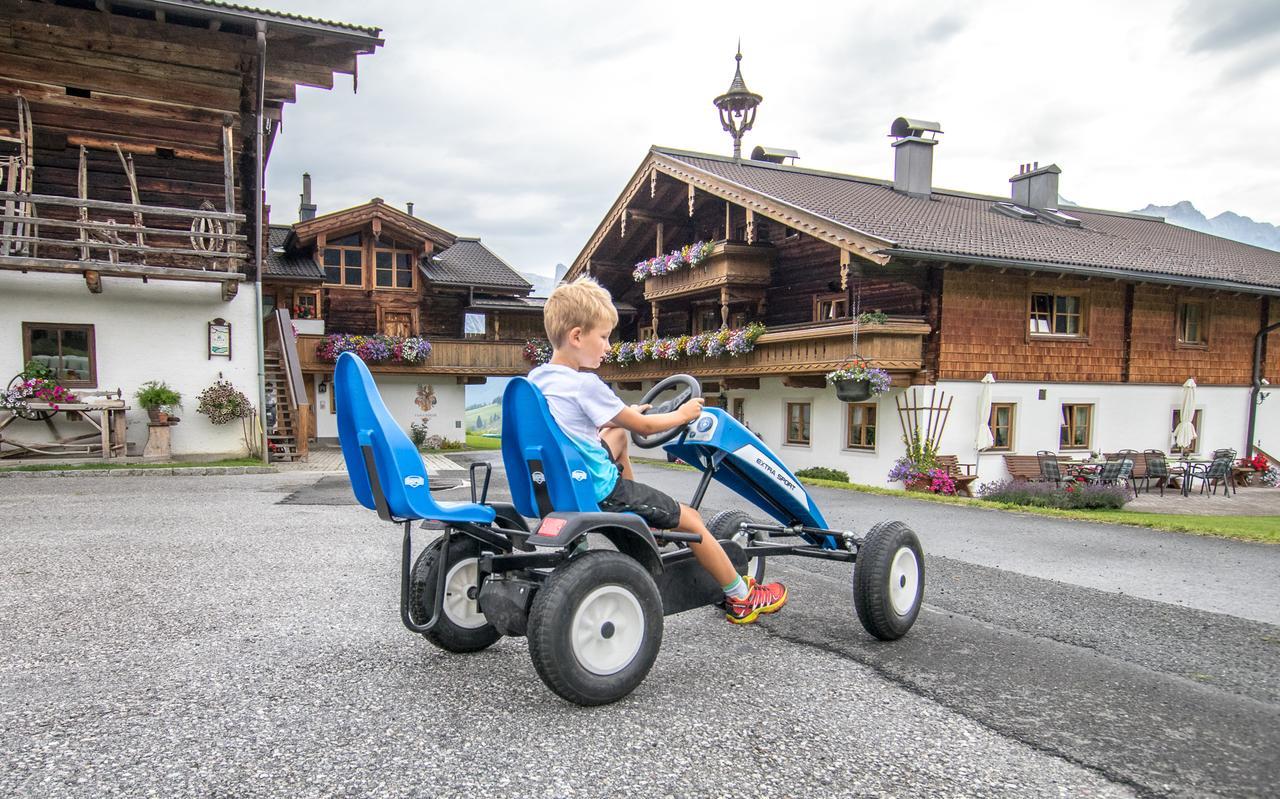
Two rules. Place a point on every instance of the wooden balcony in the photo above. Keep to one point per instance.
(93, 238)
(729, 264)
(448, 357)
(897, 346)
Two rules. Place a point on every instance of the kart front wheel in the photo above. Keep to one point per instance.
(726, 526)
(888, 580)
(462, 626)
(595, 627)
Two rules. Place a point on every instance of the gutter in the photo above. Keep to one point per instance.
(1257, 385)
(1090, 271)
(258, 260)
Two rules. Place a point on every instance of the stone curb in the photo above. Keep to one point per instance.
(192, 471)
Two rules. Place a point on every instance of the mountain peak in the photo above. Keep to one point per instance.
(1228, 224)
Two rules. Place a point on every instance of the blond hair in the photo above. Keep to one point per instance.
(583, 303)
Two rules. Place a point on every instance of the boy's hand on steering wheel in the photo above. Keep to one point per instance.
(692, 409)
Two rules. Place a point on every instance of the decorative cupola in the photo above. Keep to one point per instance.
(738, 107)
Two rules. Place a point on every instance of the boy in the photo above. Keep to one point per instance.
(579, 317)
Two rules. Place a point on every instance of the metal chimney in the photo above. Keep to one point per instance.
(408, 208)
(1035, 186)
(913, 155)
(306, 209)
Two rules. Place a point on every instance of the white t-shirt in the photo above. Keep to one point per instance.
(580, 402)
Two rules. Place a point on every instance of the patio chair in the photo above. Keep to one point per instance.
(1158, 470)
(1050, 469)
(1223, 453)
(1217, 472)
(1116, 472)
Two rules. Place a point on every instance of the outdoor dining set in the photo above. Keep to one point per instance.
(1127, 468)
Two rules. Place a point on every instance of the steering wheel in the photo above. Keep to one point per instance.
(692, 389)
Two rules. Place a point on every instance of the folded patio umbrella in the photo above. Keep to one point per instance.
(984, 439)
(1185, 432)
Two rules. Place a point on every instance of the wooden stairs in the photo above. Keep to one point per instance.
(282, 440)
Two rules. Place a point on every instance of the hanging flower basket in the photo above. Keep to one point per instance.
(850, 390)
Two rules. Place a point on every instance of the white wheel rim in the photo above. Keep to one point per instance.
(904, 580)
(459, 606)
(607, 630)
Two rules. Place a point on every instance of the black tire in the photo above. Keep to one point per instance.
(884, 595)
(593, 668)
(457, 630)
(724, 527)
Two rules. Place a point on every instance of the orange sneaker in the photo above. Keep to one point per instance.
(761, 598)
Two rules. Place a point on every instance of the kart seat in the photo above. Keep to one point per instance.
(545, 471)
(387, 473)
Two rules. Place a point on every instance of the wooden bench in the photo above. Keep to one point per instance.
(1023, 467)
(961, 473)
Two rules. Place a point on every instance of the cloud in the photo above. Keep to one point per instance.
(1227, 25)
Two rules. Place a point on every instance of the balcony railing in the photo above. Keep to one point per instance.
(448, 356)
(48, 233)
(729, 264)
(896, 345)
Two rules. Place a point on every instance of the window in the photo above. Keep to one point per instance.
(1057, 315)
(740, 409)
(1193, 323)
(1195, 422)
(473, 325)
(306, 305)
(344, 261)
(862, 426)
(830, 306)
(1077, 427)
(1001, 424)
(68, 350)
(798, 416)
(706, 318)
(738, 319)
(393, 266)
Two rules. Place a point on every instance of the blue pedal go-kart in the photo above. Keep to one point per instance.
(593, 615)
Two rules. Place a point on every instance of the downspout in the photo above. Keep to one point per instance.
(259, 177)
(1257, 384)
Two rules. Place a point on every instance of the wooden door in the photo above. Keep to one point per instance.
(397, 323)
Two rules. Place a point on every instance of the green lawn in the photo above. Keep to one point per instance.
(60, 467)
(477, 441)
(1265, 529)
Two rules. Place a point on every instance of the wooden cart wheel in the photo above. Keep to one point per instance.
(28, 414)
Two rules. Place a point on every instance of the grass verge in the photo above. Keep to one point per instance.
(475, 441)
(84, 467)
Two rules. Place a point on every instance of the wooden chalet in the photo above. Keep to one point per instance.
(133, 137)
(377, 270)
(1089, 320)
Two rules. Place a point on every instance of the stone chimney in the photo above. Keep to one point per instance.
(306, 209)
(1035, 186)
(913, 155)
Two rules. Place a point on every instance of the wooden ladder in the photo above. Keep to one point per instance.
(283, 439)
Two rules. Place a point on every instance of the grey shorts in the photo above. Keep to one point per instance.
(659, 510)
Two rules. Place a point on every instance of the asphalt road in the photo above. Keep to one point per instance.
(239, 636)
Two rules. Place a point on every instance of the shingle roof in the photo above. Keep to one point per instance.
(507, 304)
(278, 263)
(470, 263)
(237, 9)
(959, 224)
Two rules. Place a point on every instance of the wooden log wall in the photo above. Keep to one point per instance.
(984, 329)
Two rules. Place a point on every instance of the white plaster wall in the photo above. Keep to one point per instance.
(143, 331)
(1125, 417)
(400, 393)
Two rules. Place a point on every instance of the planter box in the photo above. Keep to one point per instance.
(309, 327)
(853, 390)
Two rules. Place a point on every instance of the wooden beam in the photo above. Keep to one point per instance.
(731, 383)
(229, 290)
(471, 380)
(641, 215)
(630, 385)
(93, 280)
(804, 381)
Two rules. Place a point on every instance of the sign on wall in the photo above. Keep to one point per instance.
(219, 339)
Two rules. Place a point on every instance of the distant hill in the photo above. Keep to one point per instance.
(543, 284)
(485, 418)
(1227, 224)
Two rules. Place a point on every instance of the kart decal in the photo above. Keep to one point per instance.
(414, 481)
(754, 457)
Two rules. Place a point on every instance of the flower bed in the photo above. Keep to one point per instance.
(737, 341)
(1048, 495)
(688, 255)
(374, 349)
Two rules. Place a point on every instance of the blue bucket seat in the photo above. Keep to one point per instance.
(545, 470)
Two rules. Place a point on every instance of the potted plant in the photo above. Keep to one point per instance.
(159, 399)
(857, 380)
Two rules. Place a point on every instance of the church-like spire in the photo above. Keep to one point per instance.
(738, 106)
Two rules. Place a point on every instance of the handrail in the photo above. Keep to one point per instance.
(299, 402)
(108, 205)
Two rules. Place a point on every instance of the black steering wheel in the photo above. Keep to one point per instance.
(692, 389)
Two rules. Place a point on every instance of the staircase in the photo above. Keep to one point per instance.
(282, 441)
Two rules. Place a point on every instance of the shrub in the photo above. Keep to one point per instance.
(823, 473)
(1076, 496)
(157, 395)
(418, 433)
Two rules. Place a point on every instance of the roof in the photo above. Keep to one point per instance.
(217, 8)
(963, 226)
(281, 264)
(470, 263)
(414, 228)
(507, 304)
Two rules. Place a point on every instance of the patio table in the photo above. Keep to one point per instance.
(1187, 463)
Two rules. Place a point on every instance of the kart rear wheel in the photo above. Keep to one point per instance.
(888, 580)
(462, 626)
(595, 627)
(724, 526)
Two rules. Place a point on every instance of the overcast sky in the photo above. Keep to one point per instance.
(520, 122)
